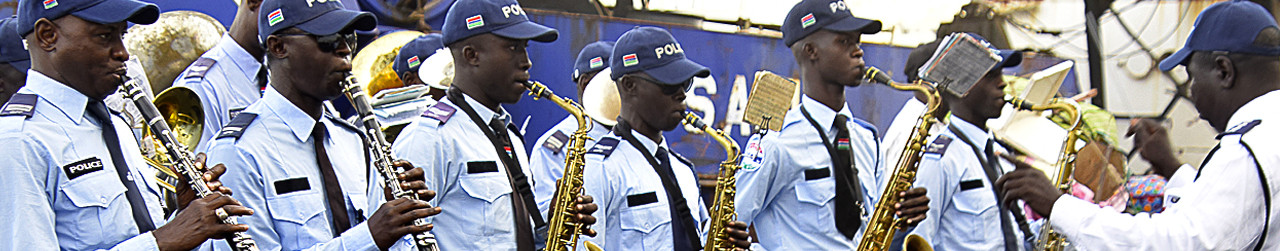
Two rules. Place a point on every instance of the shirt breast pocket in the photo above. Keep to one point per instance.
(299, 218)
(639, 223)
(490, 193)
(975, 214)
(814, 196)
(95, 197)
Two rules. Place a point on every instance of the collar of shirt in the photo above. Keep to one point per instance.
(1258, 106)
(823, 114)
(246, 63)
(297, 120)
(69, 101)
(484, 112)
(650, 145)
(977, 135)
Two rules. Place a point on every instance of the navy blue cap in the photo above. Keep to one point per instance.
(12, 51)
(1226, 26)
(505, 18)
(654, 51)
(810, 15)
(318, 17)
(594, 57)
(413, 53)
(97, 11)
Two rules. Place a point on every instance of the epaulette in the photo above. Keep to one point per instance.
(199, 67)
(237, 125)
(939, 145)
(1241, 128)
(20, 104)
(440, 111)
(604, 146)
(556, 142)
(682, 159)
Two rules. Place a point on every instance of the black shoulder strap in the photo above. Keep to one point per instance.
(1266, 196)
(20, 104)
(236, 127)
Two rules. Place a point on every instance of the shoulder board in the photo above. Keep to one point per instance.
(20, 104)
(440, 111)
(604, 146)
(200, 67)
(237, 125)
(866, 125)
(556, 142)
(939, 145)
(682, 159)
(341, 122)
(1237, 129)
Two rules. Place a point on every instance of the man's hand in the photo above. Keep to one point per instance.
(1028, 184)
(411, 180)
(211, 175)
(913, 206)
(738, 235)
(1152, 141)
(198, 222)
(582, 213)
(394, 219)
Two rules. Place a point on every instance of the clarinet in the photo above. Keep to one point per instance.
(381, 154)
(180, 156)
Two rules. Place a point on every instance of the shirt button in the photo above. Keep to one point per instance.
(103, 199)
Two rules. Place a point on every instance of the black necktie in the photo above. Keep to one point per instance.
(332, 189)
(679, 207)
(140, 214)
(262, 77)
(522, 193)
(848, 215)
(1006, 224)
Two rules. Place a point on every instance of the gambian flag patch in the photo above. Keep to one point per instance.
(597, 62)
(629, 60)
(413, 62)
(807, 20)
(50, 4)
(274, 18)
(475, 21)
(842, 144)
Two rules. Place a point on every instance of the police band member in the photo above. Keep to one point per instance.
(895, 137)
(1232, 59)
(304, 170)
(14, 59)
(410, 58)
(229, 76)
(74, 178)
(649, 195)
(477, 159)
(811, 185)
(548, 155)
(959, 167)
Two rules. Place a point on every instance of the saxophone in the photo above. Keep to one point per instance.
(1049, 239)
(562, 229)
(178, 154)
(381, 155)
(722, 207)
(883, 224)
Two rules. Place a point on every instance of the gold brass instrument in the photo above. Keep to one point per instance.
(1049, 239)
(883, 224)
(380, 152)
(722, 207)
(166, 47)
(372, 65)
(181, 158)
(562, 230)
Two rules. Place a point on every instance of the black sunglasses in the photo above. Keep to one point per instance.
(668, 89)
(331, 42)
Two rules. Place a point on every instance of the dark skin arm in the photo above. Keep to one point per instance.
(394, 219)
(196, 220)
(1152, 141)
(1028, 184)
(913, 206)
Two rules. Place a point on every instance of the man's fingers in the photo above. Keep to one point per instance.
(590, 232)
(416, 214)
(237, 210)
(584, 199)
(426, 195)
(585, 219)
(586, 208)
(917, 219)
(413, 185)
(225, 230)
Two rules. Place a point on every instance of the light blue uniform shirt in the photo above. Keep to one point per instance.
(789, 211)
(611, 178)
(548, 157)
(273, 170)
(959, 218)
(456, 156)
(41, 207)
(231, 83)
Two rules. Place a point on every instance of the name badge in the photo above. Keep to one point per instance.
(82, 167)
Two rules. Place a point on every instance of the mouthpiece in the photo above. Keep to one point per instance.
(1018, 103)
(693, 120)
(875, 75)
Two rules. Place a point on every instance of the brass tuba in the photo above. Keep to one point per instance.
(722, 206)
(1049, 239)
(372, 66)
(883, 224)
(166, 47)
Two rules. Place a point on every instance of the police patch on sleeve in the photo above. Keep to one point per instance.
(754, 155)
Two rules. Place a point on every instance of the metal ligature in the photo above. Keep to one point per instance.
(562, 229)
(722, 207)
(380, 152)
(1049, 239)
(181, 158)
(883, 224)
